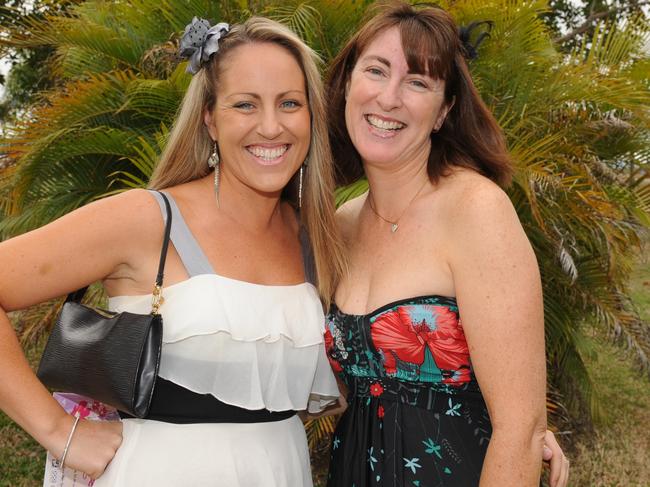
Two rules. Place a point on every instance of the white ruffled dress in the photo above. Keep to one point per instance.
(249, 345)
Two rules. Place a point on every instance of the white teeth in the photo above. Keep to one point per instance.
(266, 152)
(383, 124)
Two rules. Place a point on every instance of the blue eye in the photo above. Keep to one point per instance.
(418, 83)
(244, 105)
(375, 71)
(291, 104)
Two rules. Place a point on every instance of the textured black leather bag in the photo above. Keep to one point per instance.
(111, 357)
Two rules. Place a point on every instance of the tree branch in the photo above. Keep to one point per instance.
(590, 20)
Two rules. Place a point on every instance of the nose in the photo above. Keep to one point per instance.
(270, 126)
(390, 96)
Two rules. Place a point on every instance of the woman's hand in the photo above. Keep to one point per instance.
(337, 408)
(92, 446)
(558, 461)
(333, 409)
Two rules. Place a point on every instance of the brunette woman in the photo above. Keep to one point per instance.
(437, 331)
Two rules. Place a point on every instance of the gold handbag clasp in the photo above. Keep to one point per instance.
(157, 299)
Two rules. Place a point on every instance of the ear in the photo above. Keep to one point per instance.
(347, 89)
(209, 121)
(444, 111)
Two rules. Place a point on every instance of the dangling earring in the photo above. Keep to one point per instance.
(213, 162)
(300, 186)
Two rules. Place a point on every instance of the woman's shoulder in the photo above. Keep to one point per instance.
(132, 214)
(477, 211)
(137, 205)
(347, 215)
(469, 194)
(191, 195)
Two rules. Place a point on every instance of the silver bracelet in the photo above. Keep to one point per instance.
(67, 443)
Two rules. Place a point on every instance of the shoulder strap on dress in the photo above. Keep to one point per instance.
(188, 249)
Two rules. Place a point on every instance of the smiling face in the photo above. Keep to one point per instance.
(390, 113)
(261, 119)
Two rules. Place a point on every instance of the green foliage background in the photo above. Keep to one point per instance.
(575, 114)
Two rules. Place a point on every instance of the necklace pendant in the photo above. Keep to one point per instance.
(393, 228)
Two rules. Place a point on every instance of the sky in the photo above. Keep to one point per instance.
(4, 69)
(4, 62)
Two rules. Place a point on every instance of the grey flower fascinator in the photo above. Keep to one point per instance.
(200, 41)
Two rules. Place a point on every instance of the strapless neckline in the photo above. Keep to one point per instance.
(393, 304)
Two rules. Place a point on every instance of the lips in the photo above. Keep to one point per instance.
(383, 123)
(268, 154)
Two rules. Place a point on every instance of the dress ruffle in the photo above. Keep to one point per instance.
(267, 355)
(209, 303)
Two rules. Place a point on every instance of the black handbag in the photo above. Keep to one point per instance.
(111, 357)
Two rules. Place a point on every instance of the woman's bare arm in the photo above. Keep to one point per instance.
(500, 301)
(85, 246)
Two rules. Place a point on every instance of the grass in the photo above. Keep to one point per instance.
(22, 460)
(617, 452)
(613, 454)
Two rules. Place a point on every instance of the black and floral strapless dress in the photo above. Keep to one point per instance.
(415, 416)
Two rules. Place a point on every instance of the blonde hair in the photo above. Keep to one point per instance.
(189, 144)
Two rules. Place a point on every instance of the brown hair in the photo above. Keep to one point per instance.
(189, 144)
(469, 137)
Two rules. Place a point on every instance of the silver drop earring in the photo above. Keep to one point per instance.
(213, 162)
(300, 186)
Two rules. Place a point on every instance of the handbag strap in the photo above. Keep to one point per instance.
(77, 296)
(165, 246)
(157, 299)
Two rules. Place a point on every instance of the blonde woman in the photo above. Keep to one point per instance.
(242, 346)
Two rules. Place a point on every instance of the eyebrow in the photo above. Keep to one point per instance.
(377, 58)
(387, 63)
(258, 97)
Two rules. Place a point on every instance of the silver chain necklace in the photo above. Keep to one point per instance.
(395, 224)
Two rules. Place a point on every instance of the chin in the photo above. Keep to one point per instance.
(271, 187)
(379, 155)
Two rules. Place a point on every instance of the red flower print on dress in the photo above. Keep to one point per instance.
(380, 412)
(376, 389)
(404, 333)
(329, 348)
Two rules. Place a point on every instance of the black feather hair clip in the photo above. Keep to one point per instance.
(465, 33)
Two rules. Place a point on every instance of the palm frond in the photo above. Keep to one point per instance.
(300, 17)
(350, 192)
(320, 430)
